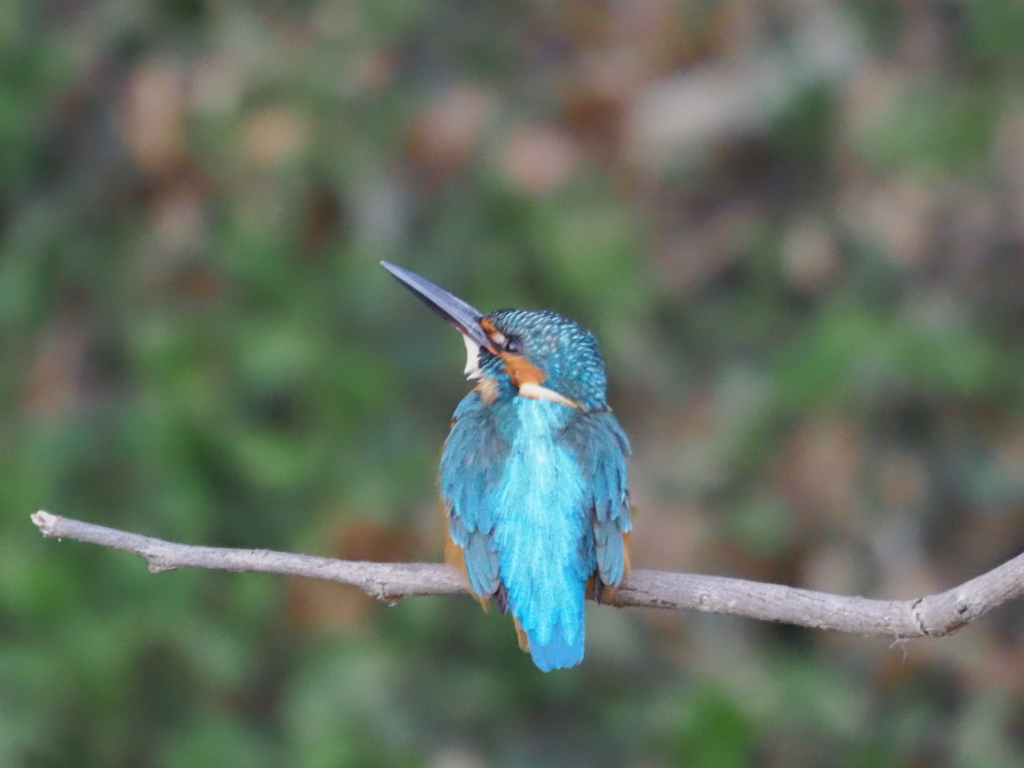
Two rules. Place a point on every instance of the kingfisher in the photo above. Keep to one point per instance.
(533, 472)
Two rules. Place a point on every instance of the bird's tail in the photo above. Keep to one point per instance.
(557, 652)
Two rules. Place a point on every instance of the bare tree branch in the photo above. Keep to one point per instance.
(930, 616)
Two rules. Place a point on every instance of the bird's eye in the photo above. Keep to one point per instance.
(514, 346)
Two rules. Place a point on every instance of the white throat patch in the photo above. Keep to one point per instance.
(472, 358)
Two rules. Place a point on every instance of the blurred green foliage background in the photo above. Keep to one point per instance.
(797, 229)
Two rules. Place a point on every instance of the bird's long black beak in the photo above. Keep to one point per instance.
(451, 308)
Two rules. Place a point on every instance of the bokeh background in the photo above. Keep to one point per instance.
(796, 227)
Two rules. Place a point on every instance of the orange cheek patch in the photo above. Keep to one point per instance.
(521, 370)
(518, 368)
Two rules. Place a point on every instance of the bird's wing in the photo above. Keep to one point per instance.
(601, 448)
(471, 466)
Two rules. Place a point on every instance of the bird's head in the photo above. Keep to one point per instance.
(540, 354)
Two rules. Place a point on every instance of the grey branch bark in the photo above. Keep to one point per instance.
(929, 616)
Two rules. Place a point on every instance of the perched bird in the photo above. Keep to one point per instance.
(533, 473)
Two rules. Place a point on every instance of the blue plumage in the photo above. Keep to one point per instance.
(533, 473)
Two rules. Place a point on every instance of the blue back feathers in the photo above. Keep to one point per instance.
(536, 490)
